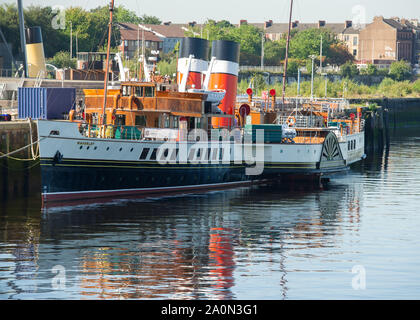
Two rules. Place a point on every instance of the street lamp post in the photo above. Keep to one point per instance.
(298, 84)
(313, 57)
(326, 83)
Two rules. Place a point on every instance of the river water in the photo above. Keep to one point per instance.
(357, 239)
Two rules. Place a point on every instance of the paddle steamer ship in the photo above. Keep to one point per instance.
(156, 136)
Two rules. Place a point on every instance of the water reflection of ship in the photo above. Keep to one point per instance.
(22, 234)
(193, 247)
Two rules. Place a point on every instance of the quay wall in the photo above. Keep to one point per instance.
(403, 112)
(388, 118)
(18, 177)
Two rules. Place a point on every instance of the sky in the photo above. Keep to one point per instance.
(181, 11)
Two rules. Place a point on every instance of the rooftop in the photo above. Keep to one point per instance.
(296, 25)
(130, 31)
(167, 30)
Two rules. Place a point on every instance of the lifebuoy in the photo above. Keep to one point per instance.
(291, 121)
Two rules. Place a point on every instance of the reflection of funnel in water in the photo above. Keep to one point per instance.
(35, 52)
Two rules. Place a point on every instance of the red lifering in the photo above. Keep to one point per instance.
(291, 121)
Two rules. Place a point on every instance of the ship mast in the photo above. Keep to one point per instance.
(111, 10)
(287, 52)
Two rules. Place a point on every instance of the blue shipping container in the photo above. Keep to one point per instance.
(45, 103)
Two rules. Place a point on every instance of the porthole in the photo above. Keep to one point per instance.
(131, 150)
(81, 147)
(95, 148)
(120, 149)
(87, 148)
(107, 148)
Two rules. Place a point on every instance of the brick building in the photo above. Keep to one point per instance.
(350, 36)
(169, 33)
(385, 41)
(132, 39)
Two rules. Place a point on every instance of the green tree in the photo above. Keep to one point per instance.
(308, 42)
(274, 52)
(145, 19)
(349, 70)
(248, 36)
(9, 26)
(211, 30)
(121, 14)
(339, 54)
(62, 60)
(53, 39)
(293, 67)
(400, 71)
(370, 70)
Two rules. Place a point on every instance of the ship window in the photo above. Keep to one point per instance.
(198, 153)
(198, 123)
(221, 154)
(153, 156)
(138, 91)
(141, 121)
(144, 154)
(208, 154)
(120, 120)
(149, 91)
(166, 122)
(126, 91)
(175, 122)
(349, 145)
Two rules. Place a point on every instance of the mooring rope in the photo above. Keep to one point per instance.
(7, 155)
(32, 147)
(34, 156)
